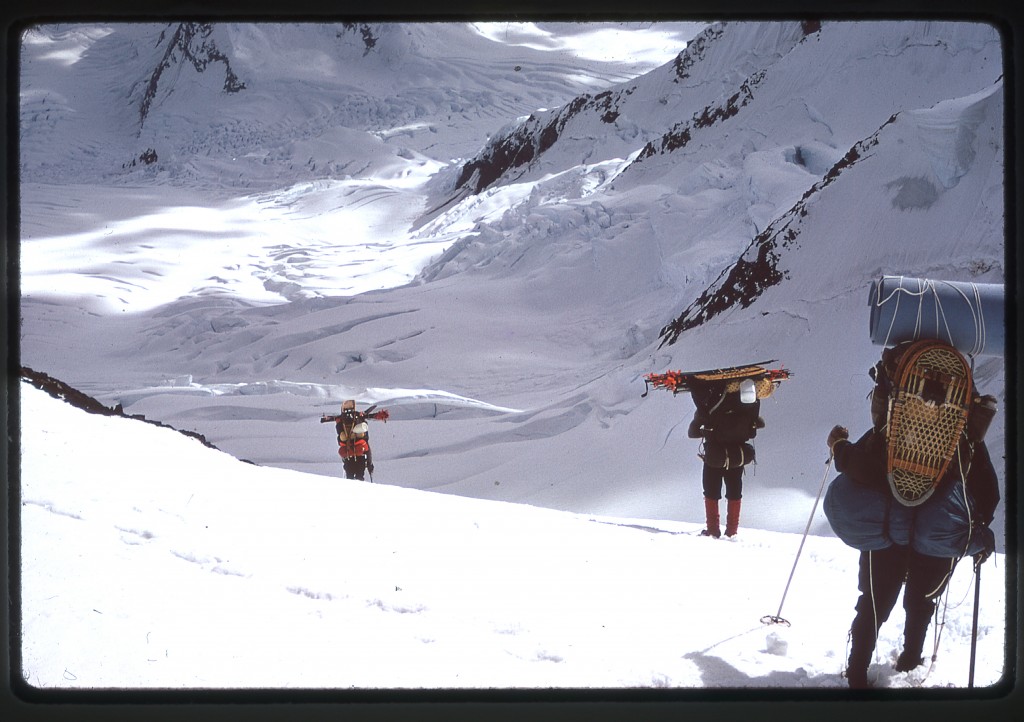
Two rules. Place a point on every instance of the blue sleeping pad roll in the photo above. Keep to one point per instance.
(967, 316)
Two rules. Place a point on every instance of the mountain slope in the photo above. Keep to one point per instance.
(193, 100)
(632, 111)
(935, 149)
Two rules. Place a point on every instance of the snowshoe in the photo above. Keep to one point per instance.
(927, 413)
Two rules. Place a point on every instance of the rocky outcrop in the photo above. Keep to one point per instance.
(65, 392)
(531, 138)
(192, 44)
(758, 268)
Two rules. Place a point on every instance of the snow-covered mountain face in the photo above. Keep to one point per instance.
(232, 228)
(261, 105)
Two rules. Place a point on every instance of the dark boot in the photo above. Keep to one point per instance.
(711, 514)
(857, 667)
(862, 647)
(908, 661)
(913, 642)
(732, 517)
(926, 579)
(857, 678)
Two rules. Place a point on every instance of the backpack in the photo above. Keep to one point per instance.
(729, 424)
(353, 436)
(926, 414)
(925, 401)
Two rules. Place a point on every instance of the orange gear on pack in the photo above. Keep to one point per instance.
(353, 432)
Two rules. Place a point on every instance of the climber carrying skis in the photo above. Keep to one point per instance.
(915, 493)
(727, 418)
(354, 438)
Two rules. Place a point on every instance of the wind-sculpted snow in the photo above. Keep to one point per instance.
(323, 393)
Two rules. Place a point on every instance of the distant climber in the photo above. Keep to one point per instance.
(354, 438)
(727, 418)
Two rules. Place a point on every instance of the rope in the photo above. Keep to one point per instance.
(925, 286)
(978, 315)
(940, 310)
(982, 325)
(963, 487)
(940, 625)
(874, 607)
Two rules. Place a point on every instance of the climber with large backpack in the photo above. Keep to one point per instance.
(727, 418)
(728, 402)
(354, 438)
(915, 494)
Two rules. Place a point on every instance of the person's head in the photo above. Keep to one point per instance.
(881, 373)
(348, 408)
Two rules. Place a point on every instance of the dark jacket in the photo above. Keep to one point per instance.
(722, 417)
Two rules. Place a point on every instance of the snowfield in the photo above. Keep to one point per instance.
(151, 561)
(495, 231)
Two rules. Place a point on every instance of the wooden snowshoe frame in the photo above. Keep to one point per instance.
(928, 410)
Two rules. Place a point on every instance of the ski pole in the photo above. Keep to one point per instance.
(777, 617)
(974, 621)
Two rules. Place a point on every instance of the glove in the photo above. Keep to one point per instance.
(696, 430)
(369, 467)
(988, 541)
(837, 434)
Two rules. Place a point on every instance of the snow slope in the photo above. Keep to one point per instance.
(152, 562)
